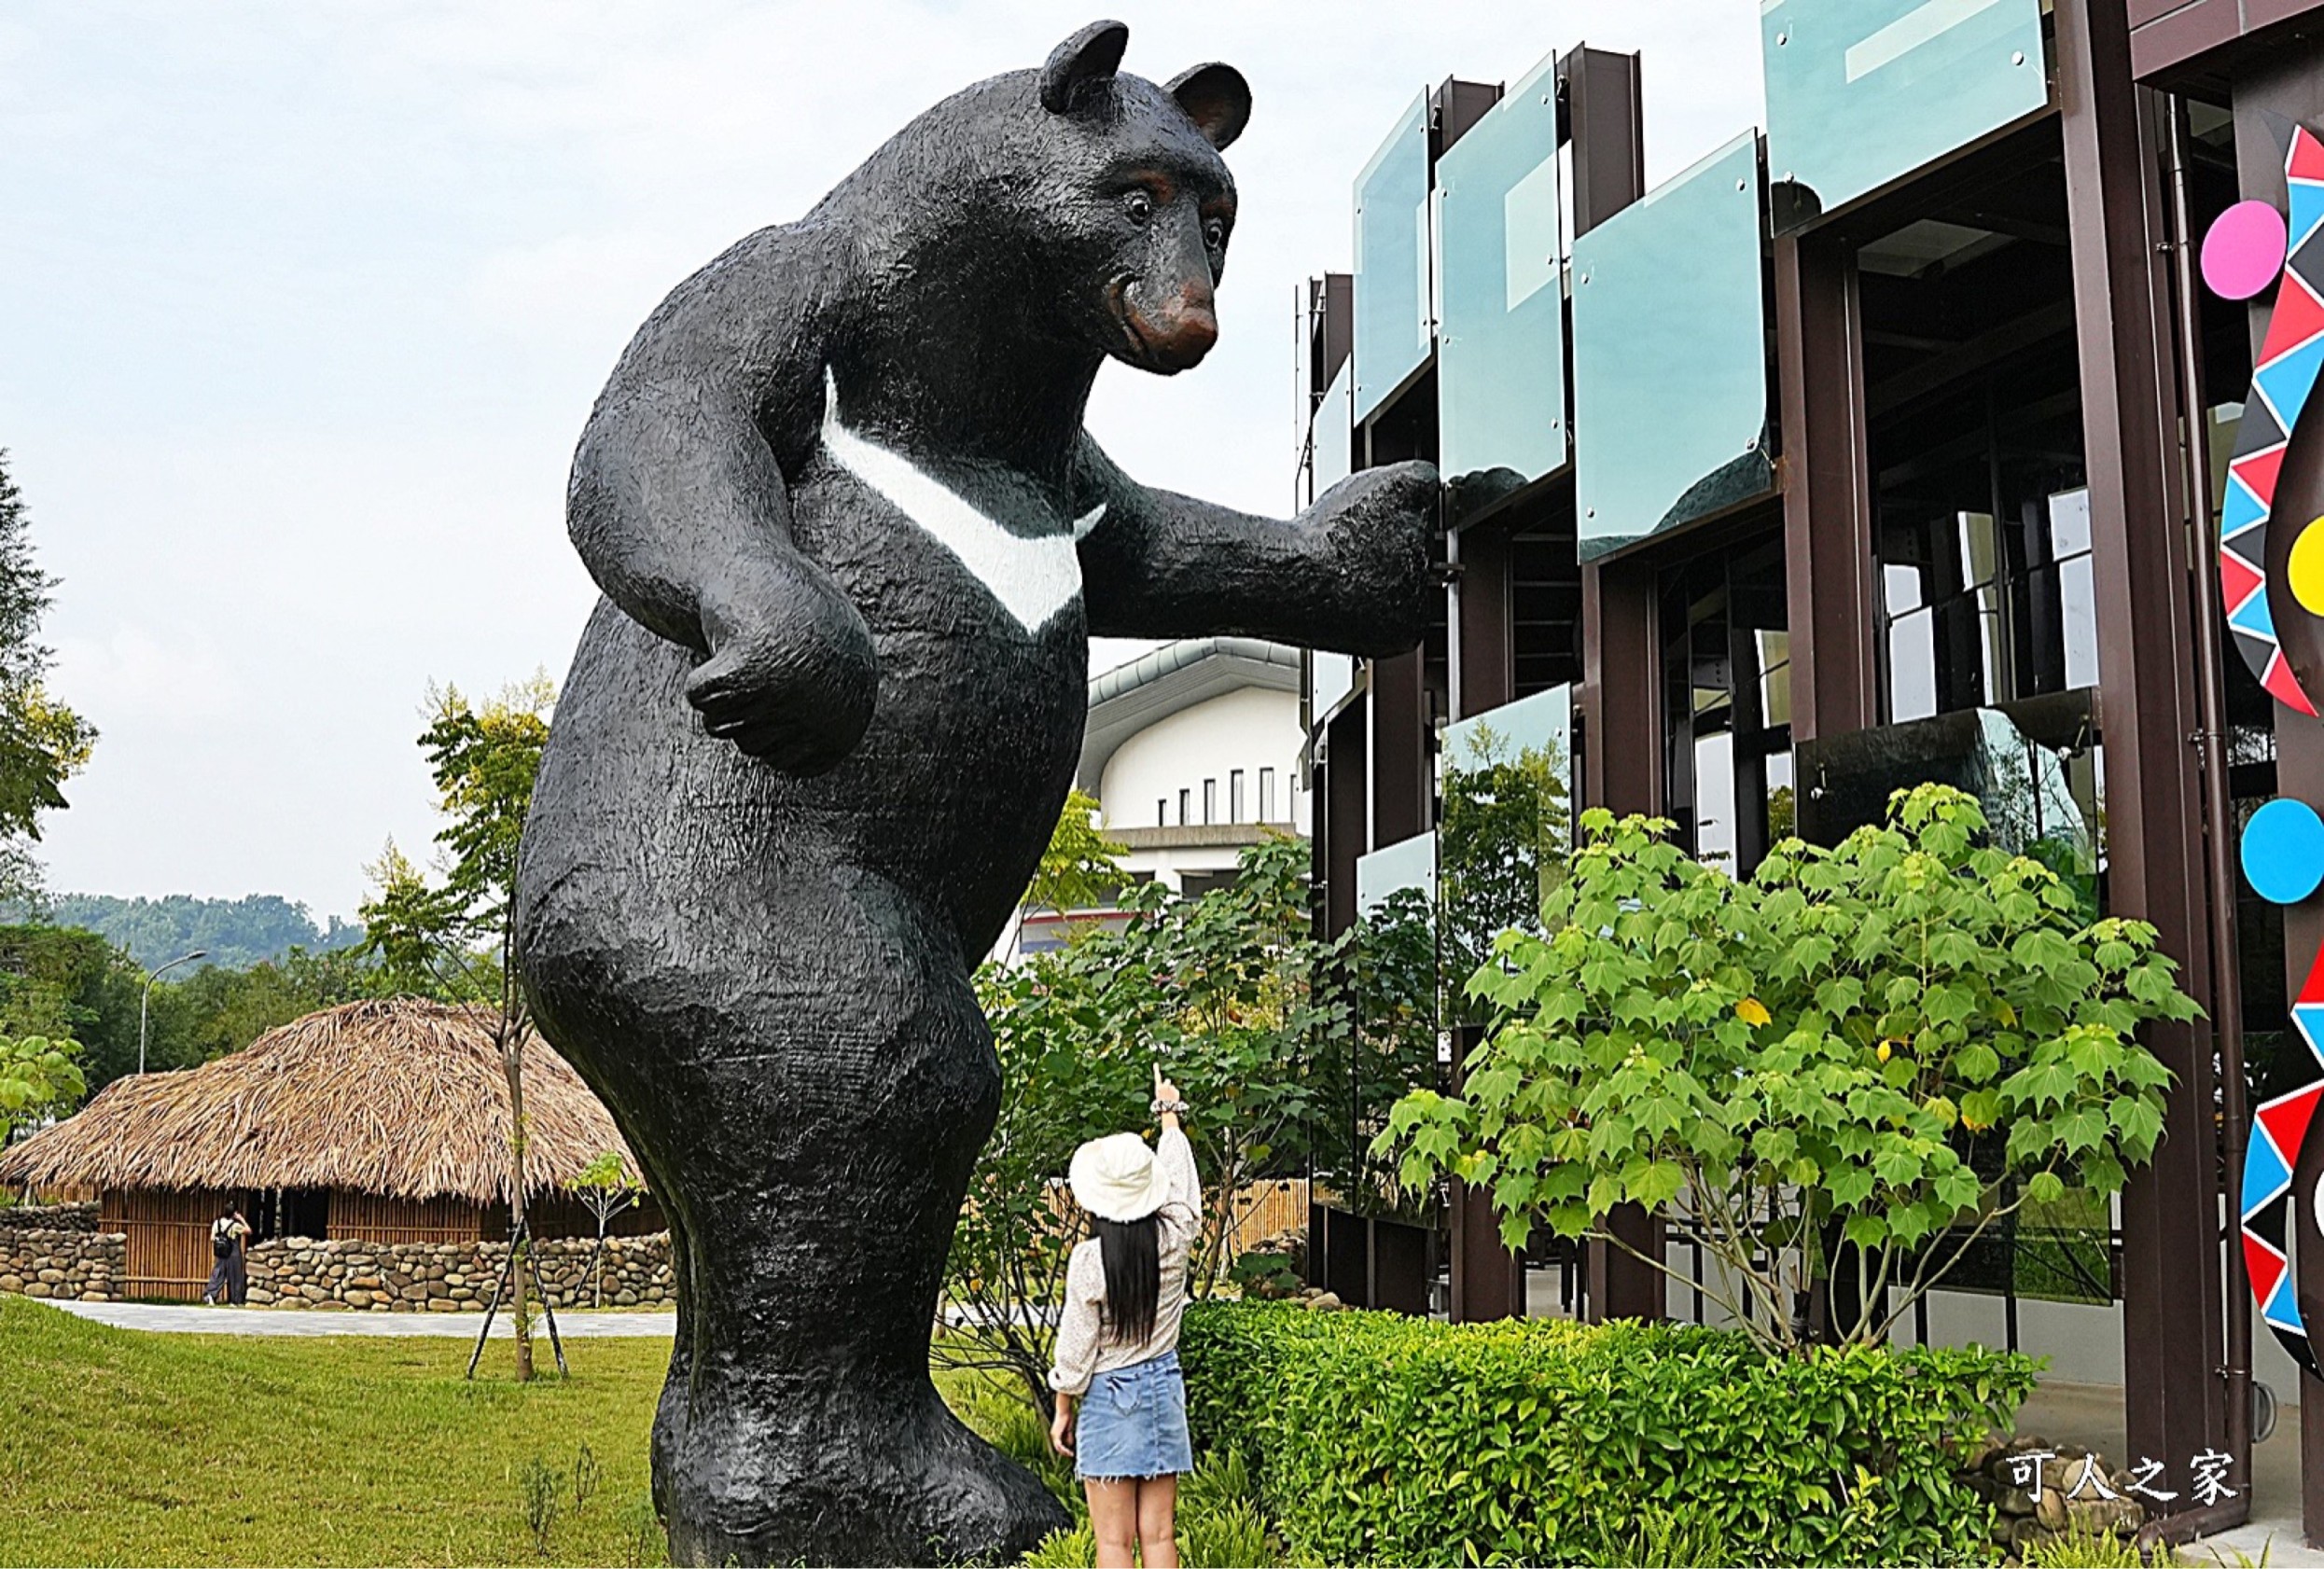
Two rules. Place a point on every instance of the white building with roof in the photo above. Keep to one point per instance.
(1192, 751)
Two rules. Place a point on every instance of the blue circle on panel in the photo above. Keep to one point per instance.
(2283, 850)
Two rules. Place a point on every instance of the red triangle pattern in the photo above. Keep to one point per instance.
(2299, 316)
(2237, 579)
(2284, 689)
(2287, 1120)
(2264, 1265)
(2304, 158)
(2312, 989)
(2260, 470)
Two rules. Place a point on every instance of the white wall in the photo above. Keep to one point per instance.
(1247, 729)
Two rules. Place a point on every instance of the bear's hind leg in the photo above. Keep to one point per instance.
(816, 1113)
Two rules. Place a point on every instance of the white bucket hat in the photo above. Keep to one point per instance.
(1115, 1178)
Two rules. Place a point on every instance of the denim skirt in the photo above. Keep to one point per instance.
(1132, 1422)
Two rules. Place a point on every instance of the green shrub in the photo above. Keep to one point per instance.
(1076, 1548)
(2088, 1549)
(1374, 1438)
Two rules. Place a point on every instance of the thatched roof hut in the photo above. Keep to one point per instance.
(385, 1120)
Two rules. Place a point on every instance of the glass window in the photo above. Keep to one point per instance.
(1210, 801)
(1985, 610)
(1409, 862)
(2035, 766)
(1393, 328)
(1727, 703)
(1501, 355)
(1267, 795)
(1330, 677)
(1332, 438)
(1862, 92)
(1161, 812)
(1234, 797)
(1505, 830)
(1186, 802)
(1670, 355)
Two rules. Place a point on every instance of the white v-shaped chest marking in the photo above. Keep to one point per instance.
(1032, 578)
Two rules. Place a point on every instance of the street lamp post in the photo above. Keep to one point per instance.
(145, 1002)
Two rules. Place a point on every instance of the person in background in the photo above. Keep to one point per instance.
(1117, 1339)
(228, 1280)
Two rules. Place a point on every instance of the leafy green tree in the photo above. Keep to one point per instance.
(225, 1010)
(607, 1186)
(456, 937)
(1082, 868)
(1247, 1012)
(42, 743)
(39, 1077)
(59, 982)
(236, 934)
(1860, 1060)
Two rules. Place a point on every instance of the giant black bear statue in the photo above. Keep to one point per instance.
(853, 541)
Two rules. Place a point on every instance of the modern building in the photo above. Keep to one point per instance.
(1919, 436)
(384, 1121)
(1192, 751)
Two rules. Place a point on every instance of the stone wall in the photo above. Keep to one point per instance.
(48, 1217)
(81, 1264)
(451, 1277)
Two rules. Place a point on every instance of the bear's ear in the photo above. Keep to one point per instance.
(1080, 63)
(1216, 98)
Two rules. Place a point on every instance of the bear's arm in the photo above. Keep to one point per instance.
(680, 511)
(1349, 573)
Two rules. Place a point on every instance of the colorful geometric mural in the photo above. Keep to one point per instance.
(2248, 247)
(2290, 359)
(2278, 1128)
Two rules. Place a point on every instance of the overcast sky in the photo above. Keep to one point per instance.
(301, 307)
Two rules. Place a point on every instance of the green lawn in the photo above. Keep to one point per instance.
(117, 1447)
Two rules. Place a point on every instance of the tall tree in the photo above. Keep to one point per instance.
(42, 743)
(456, 937)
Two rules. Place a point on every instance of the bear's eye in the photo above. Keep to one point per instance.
(1140, 205)
(1215, 233)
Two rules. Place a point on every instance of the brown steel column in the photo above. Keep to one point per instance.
(1488, 1280)
(1827, 490)
(1483, 670)
(1403, 781)
(1622, 708)
(1342, 815)
(1605, 113)
(2173, 1332)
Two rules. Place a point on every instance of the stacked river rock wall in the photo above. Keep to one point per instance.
(78, 1263)
(452, 1277)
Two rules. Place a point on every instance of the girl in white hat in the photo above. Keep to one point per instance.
(1118, 1343)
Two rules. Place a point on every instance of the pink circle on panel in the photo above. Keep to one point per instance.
(2243, 251)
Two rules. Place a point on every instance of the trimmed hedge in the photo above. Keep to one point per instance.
(1376, 1439)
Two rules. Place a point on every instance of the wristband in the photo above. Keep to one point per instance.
(1169, 1108)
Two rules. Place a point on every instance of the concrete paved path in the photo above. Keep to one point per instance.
(182, 1318)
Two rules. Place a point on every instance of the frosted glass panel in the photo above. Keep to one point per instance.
(1538, 726)
(1333, 437)
(1862, 92)
(1393, 328)
(1409, 862)
(1504, 831)
(1333, 677)
(1501, 355)
(1670, 355)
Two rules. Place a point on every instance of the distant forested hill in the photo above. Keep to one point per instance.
(237, 933)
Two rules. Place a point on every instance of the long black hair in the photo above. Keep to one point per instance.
(1132, 1250)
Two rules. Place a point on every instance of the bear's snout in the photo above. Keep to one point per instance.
(1178, 332)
